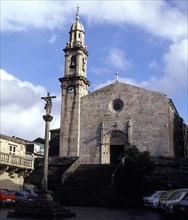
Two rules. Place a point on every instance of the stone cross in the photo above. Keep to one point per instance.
(48, 105)
(47, 118)
(117, 76)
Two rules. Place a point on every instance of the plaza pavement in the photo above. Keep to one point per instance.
(94, 213)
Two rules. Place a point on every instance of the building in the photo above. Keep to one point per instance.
(15, 164)
(99, 126)
(36, 147)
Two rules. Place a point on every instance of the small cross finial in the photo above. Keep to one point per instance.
(77, 13)
(117, 76)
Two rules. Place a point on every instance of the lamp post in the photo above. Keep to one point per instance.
(47, 118)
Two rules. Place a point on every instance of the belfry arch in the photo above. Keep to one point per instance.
(113, 145)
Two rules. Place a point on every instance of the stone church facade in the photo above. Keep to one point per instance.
(98, 126)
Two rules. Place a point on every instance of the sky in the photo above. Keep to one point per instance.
(145, 41)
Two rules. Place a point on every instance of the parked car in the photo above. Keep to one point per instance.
(175, 199)
(166, 196)
(22, 196)
(26, 194)
(33, 192)
(153, 199)
(181, 208)
(7, 197)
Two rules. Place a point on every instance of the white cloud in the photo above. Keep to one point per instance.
(157, 17)
(22, 108)
(22, 15)
(116, 58)
(174, 80)
(175, 71)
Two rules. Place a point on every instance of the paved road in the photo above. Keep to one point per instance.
(85, 213)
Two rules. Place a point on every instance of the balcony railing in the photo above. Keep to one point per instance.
(17, 161)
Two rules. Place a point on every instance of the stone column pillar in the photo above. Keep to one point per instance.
(44, 182)
(47, 118)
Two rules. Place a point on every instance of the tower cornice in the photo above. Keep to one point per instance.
(74, 79)
(76, 48)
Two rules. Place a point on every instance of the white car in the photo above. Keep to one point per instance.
(153, 199)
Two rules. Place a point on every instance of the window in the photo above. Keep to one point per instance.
(73, 62)
(12, 149)
(116, 105)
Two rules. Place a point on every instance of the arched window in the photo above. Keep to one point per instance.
(73, 62)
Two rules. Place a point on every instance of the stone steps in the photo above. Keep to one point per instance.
(88, 186)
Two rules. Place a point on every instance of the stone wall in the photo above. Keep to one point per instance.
(13, 182)
(145, 111)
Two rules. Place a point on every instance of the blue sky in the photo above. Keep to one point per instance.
(145, 41)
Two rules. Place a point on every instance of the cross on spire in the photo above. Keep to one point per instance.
(117, 76)
(77, 13)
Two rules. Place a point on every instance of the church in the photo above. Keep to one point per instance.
(99, 126)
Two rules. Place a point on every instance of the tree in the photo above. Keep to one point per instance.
(129, 180)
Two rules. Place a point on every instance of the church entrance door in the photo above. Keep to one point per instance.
(114, 144)
(116, 153)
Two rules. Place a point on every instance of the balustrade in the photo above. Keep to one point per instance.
(22, 162)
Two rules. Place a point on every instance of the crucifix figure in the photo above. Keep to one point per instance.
(48, 105)
(117, 76)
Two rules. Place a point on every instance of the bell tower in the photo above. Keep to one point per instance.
(74, 85)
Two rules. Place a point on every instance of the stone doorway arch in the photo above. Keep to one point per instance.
(113, 146)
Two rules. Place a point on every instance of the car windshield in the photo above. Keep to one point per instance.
(175, 195)
(6, 192)
(167, 194)
(24, 193)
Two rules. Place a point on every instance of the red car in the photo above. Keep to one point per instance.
(7, 197)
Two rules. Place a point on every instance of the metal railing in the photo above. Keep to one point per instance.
(17, 161)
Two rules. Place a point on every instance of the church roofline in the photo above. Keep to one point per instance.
(118, 82)
(173, 106)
